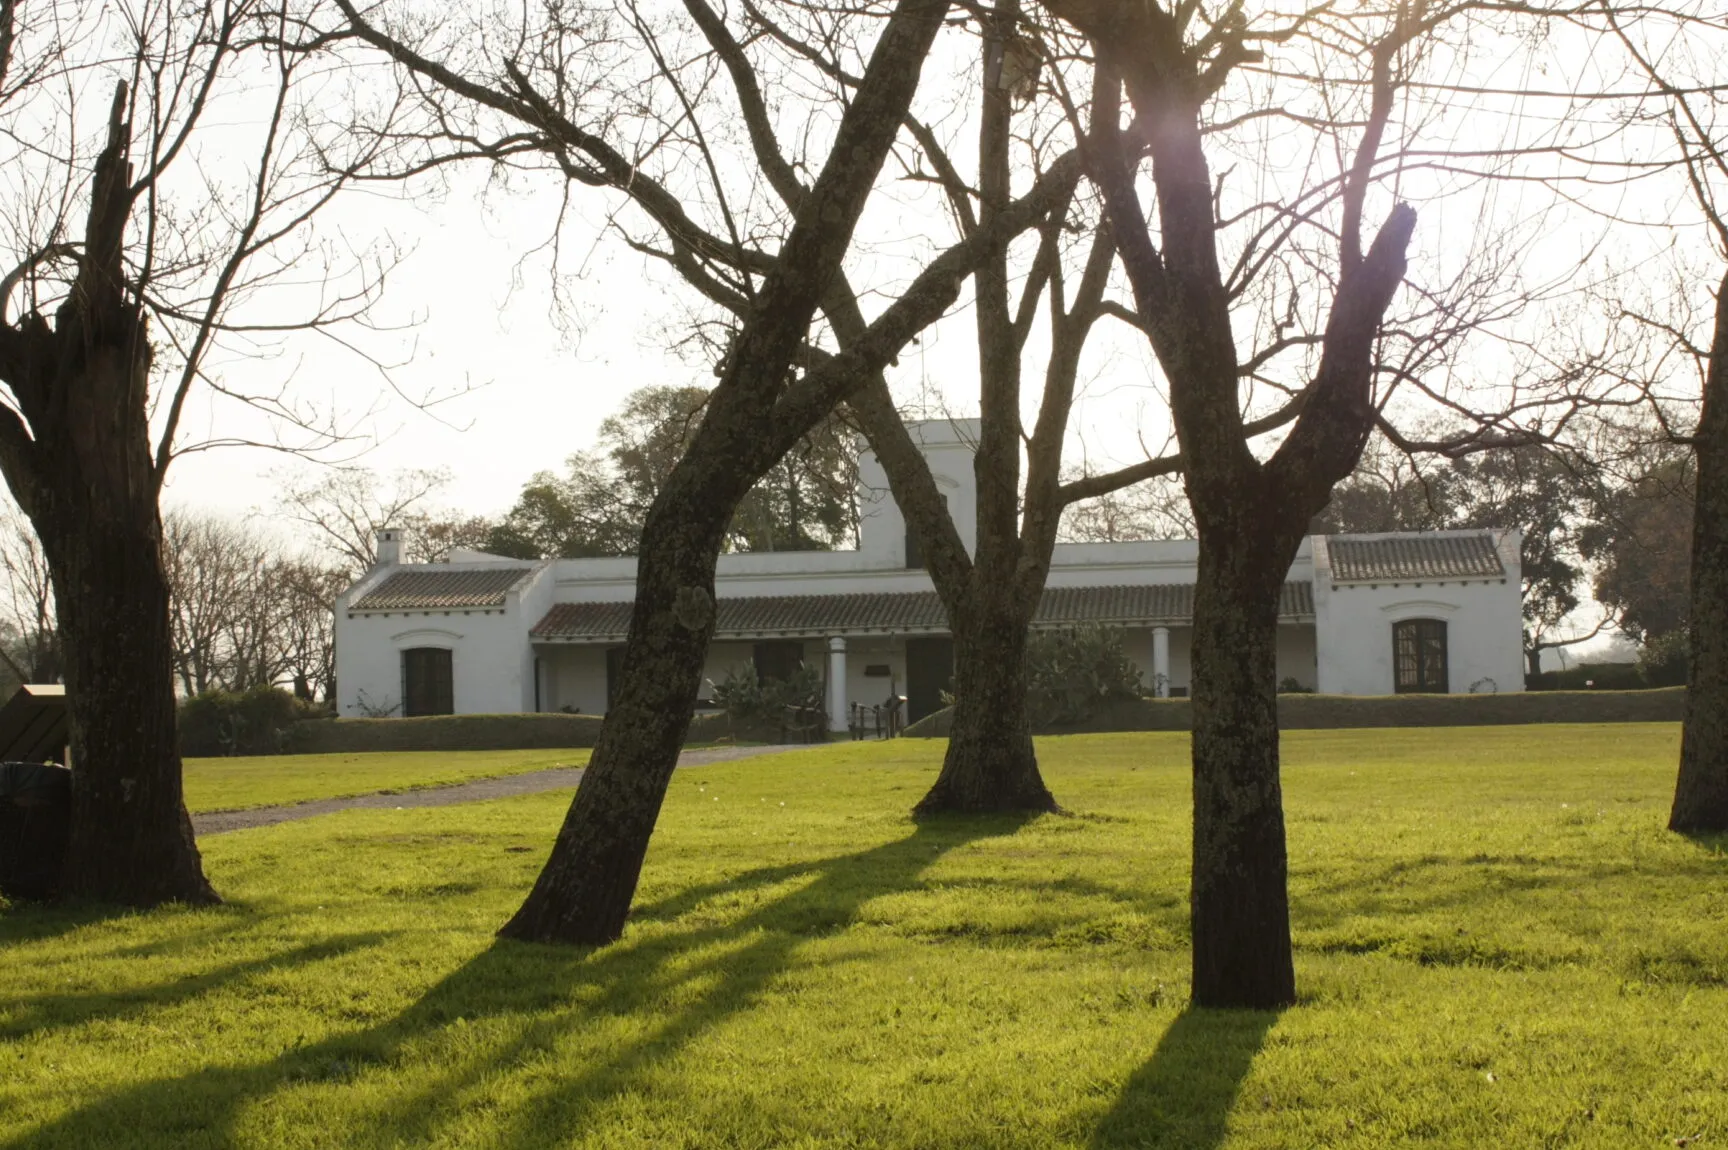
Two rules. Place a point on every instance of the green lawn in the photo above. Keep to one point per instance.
(267, 780)
(1498, 945)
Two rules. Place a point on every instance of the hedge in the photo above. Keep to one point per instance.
(1309, 712)
(483, 733)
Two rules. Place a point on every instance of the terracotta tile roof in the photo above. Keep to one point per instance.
(1414, 558)
(904, 612)
(441, 590)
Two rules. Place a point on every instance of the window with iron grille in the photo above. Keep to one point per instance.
(1419, 656)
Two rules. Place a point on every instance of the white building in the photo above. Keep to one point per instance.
(1360, 615)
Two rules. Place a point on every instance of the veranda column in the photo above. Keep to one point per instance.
(837, 684)
(1161, 662)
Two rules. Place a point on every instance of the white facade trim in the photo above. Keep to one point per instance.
(1344, 647)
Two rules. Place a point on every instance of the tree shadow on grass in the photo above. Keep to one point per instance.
(1181, 1099)
(502, 1015)
(30, 921)
(1716, 842)
(54, 1011)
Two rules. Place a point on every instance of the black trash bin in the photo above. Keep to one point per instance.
(35, 821)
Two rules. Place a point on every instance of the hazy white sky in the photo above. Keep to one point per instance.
(469, 313)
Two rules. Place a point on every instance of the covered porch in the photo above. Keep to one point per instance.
(873, 648)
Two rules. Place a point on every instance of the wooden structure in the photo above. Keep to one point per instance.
(35, 726)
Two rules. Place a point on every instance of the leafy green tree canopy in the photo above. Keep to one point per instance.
(596, 507)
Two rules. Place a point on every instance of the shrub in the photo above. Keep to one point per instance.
(253, 722)
(1662, 662)
(1072, 671)
(748, 699)
(1589, 677)
(1290, 685)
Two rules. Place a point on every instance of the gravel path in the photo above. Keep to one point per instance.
(531, 783)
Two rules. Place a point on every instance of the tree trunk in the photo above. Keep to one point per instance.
(83, 472)
(1701, 791)
(131, 838)
(583, 895)
(990, 765)
(1240, 909)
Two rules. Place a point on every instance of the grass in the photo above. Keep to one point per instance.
(242, 782)
(1498, 945)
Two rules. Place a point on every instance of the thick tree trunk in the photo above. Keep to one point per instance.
(584, 892)
(131, 838)
(1240, 909)
(1701, 791)
(583, 895)
(76, 454)
(990, 765)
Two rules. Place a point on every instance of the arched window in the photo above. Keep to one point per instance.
(1419, 656)
(427, 682)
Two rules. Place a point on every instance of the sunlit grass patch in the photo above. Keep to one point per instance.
(1497, 945)
(244, 782)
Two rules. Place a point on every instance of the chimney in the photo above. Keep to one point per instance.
(389, 547)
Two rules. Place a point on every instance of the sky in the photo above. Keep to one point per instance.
(494, 358)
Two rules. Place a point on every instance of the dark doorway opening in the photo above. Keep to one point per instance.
(929, 672)
(428, 686)
(777, 660)
(614, 668)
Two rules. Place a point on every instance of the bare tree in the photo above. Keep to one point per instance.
(1679, 49)
(775, 385)
(1298, 264)
(305, 641)
(344, 508)
(128, 267)
(1156, 509)
(214, 570)
(33, 648)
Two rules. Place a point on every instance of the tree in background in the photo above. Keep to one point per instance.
(1155, 509)
(1640, 543)
(344, 508)
(130, 256)
(806, 502)
(216, 582)
(248, 611)
(1548, 493)
(29, 634)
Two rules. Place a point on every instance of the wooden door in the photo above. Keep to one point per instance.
(428, 686)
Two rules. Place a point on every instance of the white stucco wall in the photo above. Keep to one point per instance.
(1348, 649)
(1484, 638)
(948, 446)
(490, 665)
(491, 660)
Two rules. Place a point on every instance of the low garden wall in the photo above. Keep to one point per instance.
(442, 733)
(1308, 712)
(480, 733)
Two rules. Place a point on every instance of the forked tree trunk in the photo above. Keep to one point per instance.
(1239, 907)
(131, 840)
(584, 892)
(990, 765)
(1701, 791)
